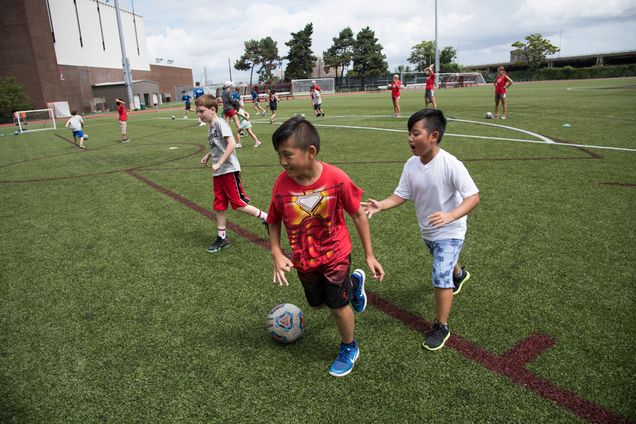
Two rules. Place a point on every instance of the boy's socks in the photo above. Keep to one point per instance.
(222, 233)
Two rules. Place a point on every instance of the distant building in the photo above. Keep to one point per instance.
(319, 70)
(61, 50)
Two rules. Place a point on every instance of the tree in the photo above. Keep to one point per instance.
(264, 53)
(301, 58)
(340, 54)
(534, 51)
(12, 98)
(251, 57)
(422, 55)
(368, 59)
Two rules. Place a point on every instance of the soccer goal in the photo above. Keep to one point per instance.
(460, 79)
(34, 120)
(300, 87)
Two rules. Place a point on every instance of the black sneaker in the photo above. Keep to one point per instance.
(459, 281)
(264, 222)
(219, 243)
(437, 337)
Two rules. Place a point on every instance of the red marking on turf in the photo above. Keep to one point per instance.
(619, 184)
(511, 364)
(246, 234)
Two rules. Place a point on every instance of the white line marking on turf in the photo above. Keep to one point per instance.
(172, 148)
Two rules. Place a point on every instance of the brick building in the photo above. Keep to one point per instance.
(59, 50)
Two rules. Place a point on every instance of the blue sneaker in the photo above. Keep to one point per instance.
(359, 297)
(347, 357)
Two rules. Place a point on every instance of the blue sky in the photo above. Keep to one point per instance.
(200, 34)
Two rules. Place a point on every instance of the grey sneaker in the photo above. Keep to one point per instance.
(459, 281)
(219, 243)
(437, 337)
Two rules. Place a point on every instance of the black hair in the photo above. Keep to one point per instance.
(236, 104)
(299, 131)
(432, 120)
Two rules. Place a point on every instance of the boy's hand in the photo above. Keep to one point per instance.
(377, 272)
(282, 264)
(205, 159)
(371, 207)
(439, 219)
(216, 166)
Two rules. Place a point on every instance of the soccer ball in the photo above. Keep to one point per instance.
(302, 115)
(85, 136)
(489, 115)
(286, 323)
(173, 117)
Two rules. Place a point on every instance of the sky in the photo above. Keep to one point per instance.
(204, 34)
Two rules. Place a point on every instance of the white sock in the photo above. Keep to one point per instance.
(221, 232)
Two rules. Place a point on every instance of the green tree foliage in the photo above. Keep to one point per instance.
(300, 58)
(535, 50)
(262, 53)
(423, 54)
(368, 59)
(12, 98)
(340, 54)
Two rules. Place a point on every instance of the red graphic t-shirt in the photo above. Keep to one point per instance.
(313, 216)
(500, 84)
(123, 115)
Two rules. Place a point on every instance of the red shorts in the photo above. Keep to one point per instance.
(228, 188)
(229, 113)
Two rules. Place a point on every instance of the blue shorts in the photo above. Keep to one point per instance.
(445, 256)
(78, 133)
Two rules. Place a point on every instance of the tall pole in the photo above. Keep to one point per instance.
(205, 77)
(229, 67)
(436, 49)
(124, 58)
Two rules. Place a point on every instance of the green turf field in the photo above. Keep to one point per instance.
(112, 311)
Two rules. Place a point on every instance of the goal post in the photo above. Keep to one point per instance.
(300, 87)
(444, 80)
(34, 120)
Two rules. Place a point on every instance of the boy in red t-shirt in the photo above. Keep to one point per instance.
(429, 94)
(123, 119)
(395, 94)
(310, 198)
(502, 82)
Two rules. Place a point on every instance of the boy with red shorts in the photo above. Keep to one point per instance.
(226, 169)
(310, 198)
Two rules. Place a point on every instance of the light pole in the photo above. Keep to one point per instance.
(436, 50)
(124, 58)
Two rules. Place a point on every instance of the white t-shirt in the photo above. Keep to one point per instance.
(218, 130)
(439, 186)
(75, 122)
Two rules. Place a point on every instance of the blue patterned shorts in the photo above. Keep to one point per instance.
(445, 256)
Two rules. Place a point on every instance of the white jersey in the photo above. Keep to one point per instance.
(75, 122)
(439, 186)
(316, 98)
(217, 131)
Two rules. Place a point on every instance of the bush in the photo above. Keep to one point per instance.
(569, 72)
(12, 98)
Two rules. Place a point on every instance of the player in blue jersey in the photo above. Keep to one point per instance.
(197, 92)
(188, 100)
(257, 107)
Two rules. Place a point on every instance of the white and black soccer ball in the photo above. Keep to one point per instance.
(286, 323)
(489, 115)
(173, 117)
(85, 136)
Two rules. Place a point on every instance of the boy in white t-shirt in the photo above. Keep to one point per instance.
(443, 193)
(77, 124)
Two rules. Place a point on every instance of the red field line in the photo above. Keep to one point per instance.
(511, 364)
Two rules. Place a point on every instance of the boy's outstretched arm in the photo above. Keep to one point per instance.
(373, 206)
(439, 219)
(282, 264)
(362, 226)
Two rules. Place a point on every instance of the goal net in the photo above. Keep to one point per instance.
(300, 87)
(444, 80)
(34, 120)
(460, 79)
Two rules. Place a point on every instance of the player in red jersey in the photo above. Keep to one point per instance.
(395, 94)
(502, 82)
(429, 94)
